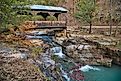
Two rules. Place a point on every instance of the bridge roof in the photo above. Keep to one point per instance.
(48, 8)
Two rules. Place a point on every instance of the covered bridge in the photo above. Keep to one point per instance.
(46, 11)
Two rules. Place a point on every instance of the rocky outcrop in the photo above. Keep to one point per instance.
(107, 45)
(113, 53)
(85, 53)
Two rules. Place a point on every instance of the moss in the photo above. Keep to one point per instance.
(55, 58)
(36, 51)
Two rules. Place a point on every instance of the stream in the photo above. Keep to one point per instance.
(71, 71)
(91, 73)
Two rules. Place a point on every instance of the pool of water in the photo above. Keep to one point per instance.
(102, 74)
(96, 73)
(105, 74)
(92, 73)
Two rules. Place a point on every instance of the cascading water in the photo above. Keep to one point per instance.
(87, 68)
(67, 75)
(90, 73)
(58, 51)
(64, 74)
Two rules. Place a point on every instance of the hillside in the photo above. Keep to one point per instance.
(101, 17)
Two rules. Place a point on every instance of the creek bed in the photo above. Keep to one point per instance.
(90, 73)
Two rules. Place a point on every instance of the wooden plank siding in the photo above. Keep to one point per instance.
(49, 24)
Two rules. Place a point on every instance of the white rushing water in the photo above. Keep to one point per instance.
(38, 32)
(87, 68)
(33, 37)
(57, 51)
(64, 74)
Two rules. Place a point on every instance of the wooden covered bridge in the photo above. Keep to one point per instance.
(45, 11)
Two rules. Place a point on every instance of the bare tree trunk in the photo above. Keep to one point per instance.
(90, 29)
(110, 28)
(116, 30)
(110, 15)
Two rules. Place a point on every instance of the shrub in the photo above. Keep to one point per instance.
(38, 18)
(51, 18)
(24, 17)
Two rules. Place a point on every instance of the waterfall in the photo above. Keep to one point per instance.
(57, 51)
(87, 68)
(64, 74)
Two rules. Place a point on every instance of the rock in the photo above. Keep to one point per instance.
(71, 48)
(107, 62)
(116, 60)
(26, 43)
(23, 49)
(18, 56)
(87, 46)
(80, 47)
(47, 61)
(107, 43)
(37, 42)
(60, 39)
(88, 54)
(113, 53)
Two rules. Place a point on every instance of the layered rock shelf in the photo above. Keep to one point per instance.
(85, 53)
(107, 46)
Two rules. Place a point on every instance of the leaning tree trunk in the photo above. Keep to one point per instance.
(90, 29)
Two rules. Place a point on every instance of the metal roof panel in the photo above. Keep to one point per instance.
(48, 8)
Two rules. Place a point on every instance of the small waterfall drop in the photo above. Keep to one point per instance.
(64, 74)
(87, 68)
(57, 51)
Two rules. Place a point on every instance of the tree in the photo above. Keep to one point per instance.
(8, 13)
(110, 17)
(5, 10)
(117, 21)
(9, 9)
(46, 2)
(117, 14)
(86, 11)
(114, 14)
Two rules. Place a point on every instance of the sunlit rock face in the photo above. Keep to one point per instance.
(85, 53)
